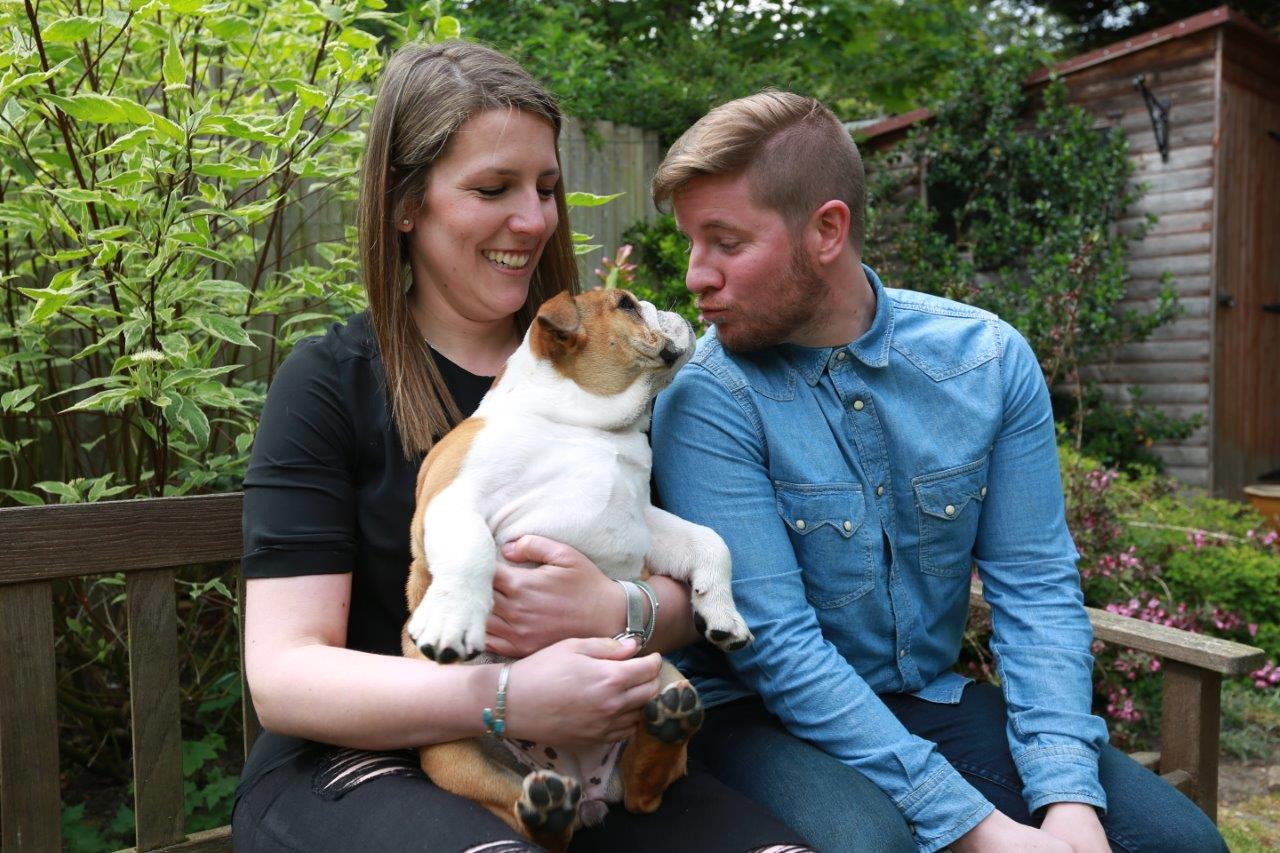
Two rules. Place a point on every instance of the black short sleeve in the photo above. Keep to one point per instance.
(299, 507)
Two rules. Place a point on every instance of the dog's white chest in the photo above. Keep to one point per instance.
(585, 488)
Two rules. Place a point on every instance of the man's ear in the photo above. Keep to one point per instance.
(830, 230)
(557, 325)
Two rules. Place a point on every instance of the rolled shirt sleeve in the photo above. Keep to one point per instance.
(711, 468)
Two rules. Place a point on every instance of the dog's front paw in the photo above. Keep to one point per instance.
(674, 714)
(447, 628)
(722, 626)
(548, 804)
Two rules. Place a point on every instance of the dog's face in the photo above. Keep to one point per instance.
(606, 340)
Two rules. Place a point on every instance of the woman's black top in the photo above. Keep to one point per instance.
(329, 489)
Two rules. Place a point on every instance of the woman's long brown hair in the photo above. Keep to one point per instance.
(426, 93)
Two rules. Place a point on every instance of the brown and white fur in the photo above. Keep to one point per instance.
(558, 448)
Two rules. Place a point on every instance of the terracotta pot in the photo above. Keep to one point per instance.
(1266, 499)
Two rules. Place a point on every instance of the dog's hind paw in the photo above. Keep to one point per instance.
(726, 631)
(674, 714)
(548, 804)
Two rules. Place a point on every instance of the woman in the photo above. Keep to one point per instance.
(463, 233)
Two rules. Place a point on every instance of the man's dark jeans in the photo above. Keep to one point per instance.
(838, 810)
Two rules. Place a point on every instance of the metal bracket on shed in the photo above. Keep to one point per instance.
(1158, 109)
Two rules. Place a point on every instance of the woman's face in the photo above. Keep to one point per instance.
(488, 212)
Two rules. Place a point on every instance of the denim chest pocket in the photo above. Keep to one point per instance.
(824, 521)
(948, 504)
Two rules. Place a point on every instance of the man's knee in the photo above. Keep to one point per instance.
(1146, 813)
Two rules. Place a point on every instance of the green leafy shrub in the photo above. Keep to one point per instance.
(1185, 561)
(162, 161)
(1121, 436)
(1216, 552)
(1011, 204)
(662, 65)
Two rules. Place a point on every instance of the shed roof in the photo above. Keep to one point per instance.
(1221, 16)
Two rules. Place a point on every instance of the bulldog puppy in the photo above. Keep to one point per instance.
(558, 448)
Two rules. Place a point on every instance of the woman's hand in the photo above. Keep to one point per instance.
(580, 692)
(999, 833)
(562, 595)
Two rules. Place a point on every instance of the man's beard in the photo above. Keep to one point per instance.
(801, 295)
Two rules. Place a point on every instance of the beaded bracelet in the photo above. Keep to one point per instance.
(495, 718)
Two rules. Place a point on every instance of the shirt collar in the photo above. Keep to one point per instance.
(872, 349)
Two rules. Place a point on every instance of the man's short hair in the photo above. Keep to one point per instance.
(795, 151)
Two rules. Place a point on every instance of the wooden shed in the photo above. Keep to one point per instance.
(1216, 189)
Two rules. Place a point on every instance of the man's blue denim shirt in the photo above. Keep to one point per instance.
(856, 487)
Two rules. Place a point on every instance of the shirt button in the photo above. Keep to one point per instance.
(848, 525)
(858, 405)
(902, 654)
(950, 510)
(983, 491)
(840, 356)
(879, 491)
(800, 524)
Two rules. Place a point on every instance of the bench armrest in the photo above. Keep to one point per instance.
(1197, 650)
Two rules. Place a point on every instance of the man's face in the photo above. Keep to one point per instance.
(753, 279)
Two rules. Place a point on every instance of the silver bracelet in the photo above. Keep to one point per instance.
(653, 611)
(638, 628)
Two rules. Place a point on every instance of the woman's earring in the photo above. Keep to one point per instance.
(404, 222)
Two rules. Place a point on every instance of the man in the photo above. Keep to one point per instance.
(860, 449)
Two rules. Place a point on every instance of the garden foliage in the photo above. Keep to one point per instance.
(1009, 199)
(661, 64)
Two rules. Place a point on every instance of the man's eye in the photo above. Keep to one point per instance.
(626, 303)
(491, 192)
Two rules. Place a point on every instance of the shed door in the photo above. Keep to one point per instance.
(1247, 330)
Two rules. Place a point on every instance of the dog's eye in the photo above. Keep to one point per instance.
(626, 303)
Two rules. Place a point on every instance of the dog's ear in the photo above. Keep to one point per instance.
(558, 321)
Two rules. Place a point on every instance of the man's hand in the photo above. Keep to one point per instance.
(1078, 825)
(999, 833)
(564, 595)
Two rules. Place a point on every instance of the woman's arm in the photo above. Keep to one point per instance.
(567, 596)
(304, 683)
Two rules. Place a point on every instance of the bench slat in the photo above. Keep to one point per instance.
(1211, 653)
(30, 802)
(68, 540)
(154, 695)
(210, 841)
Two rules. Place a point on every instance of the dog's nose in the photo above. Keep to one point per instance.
(669, 355)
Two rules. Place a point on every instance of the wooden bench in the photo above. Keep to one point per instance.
(148, 539)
